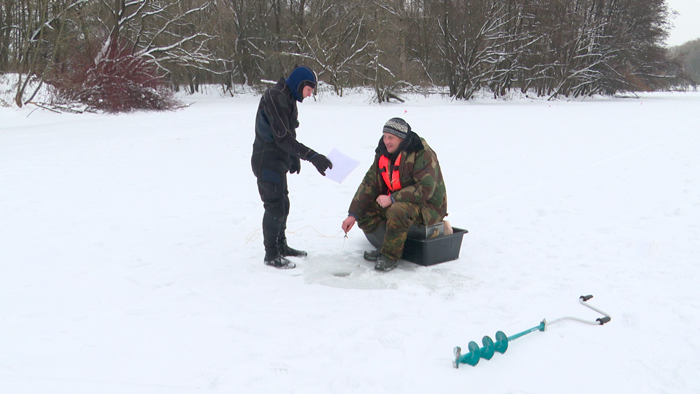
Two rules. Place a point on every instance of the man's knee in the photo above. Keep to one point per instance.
(369, 224)
(270, 194)
(272, 188)
(402, 212)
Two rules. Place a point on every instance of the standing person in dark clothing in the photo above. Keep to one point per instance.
(276, 151)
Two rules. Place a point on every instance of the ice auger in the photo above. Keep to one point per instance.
(501, 345)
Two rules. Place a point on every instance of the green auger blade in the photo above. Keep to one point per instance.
(501, 342)
(488, 349)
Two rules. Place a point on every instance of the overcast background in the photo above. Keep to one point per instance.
(686, 26)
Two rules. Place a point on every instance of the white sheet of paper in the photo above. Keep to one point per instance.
(342, 166)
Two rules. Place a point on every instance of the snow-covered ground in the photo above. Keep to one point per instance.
(131, 252)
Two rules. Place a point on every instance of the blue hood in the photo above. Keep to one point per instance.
(300, 77)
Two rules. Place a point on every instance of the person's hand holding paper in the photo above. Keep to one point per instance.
(342, 166)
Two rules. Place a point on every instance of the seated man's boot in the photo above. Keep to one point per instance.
(278, 261)
(385, 264)
(372, 255)
(286, 251)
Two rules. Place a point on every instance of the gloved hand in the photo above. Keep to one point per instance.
(295, 167)
(321, 163)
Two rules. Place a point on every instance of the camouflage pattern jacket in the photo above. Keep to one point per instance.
(276, 147)
(421, 182)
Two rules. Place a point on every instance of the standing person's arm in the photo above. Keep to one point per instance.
(279, 114)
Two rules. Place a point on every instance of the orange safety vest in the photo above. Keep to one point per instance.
(391, 178)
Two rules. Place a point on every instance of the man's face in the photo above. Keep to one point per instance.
(392, 142)
(307, 91)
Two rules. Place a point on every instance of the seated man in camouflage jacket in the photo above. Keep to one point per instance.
(404, 186)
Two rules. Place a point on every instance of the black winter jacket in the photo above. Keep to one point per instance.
(276, 145)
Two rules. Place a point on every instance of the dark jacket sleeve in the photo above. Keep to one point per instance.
(280, 114)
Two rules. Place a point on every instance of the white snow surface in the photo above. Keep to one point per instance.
(131, 252)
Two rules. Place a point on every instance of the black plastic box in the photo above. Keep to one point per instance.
(434, 251)
(423, 251)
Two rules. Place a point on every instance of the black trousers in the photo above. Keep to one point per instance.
(272, 187)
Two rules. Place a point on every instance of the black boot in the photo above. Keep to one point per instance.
(372, 255)
(278, 261)
(385, 264)
(286, 251)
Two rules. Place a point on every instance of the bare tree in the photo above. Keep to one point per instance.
(335, 41)
(473, 46)
(162, 32)
(39, 46)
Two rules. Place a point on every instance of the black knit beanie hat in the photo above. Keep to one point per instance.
(397, 127)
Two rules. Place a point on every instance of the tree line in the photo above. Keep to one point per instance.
(688, 56)
(542, 47)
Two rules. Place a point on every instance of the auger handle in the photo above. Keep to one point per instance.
(582, 300)
(602, 320)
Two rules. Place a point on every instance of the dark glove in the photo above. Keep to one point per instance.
(295, 167)
(321, 163)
